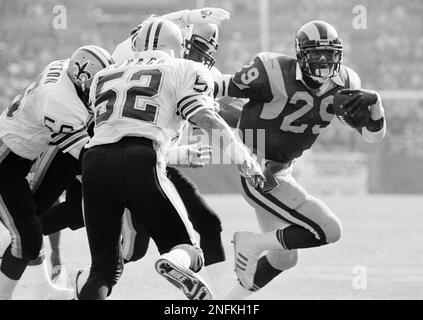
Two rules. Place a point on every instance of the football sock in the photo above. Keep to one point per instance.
(95, 289)
(81, 280)
(11, 266)
(296, 237)
(265, 273)
(212, 246)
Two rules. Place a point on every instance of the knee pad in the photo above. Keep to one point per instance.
(195, 253)
(282, 260)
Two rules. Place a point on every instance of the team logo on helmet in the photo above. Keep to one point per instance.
(205, 13)
(80, 71)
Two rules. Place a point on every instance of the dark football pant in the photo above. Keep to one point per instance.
(57, 175)
(68, 214)
(126, 175)
(204, 219)
(18, 214)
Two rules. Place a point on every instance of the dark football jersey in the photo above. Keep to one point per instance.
(291, 114)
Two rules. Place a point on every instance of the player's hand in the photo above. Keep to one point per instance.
(362, 98)
(208, 15)
(251, 171)
(216, 106)
(199, 155)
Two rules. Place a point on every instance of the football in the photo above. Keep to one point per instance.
(354, 118)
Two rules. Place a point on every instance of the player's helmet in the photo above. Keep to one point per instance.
(160, 34)
(203, 42)
(84, 63)
(319, 50)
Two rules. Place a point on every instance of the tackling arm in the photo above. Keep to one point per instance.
(204, 15)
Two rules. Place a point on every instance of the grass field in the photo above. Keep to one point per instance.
(383, 234)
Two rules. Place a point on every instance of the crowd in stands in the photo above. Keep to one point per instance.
(387, 53)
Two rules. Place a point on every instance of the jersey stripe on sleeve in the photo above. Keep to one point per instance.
(190, 105)
(67, 141)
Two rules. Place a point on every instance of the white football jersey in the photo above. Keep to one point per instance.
(151, 96)
(47, 112)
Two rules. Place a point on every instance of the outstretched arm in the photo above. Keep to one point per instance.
(204, 15)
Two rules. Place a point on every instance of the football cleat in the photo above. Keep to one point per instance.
(246, 258)
(189, 282)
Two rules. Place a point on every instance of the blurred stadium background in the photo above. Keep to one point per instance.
(341, 168)
(387, 55)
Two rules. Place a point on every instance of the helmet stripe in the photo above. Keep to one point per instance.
(96, 56)
(322, 29)
(312, 32)
(148, 36)
(103, 53)
(156, 35)
(151, 36)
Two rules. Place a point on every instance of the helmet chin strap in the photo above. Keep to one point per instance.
(319, 80)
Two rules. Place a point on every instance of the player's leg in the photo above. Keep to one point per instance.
(103, 209)
(55, 256)
(310, 223)
(54, 172)
(270, 264)
(67, 214)
(156, 205)
(208, 225)
(17, 210)
(135, 239)
(203, 218)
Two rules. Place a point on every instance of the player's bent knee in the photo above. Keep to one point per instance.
(333, 230)
(282, 260)
(323, 216)
(195, 253)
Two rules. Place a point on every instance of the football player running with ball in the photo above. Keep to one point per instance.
(292, 99)
(140, 106)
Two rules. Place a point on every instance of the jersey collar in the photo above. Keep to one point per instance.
(299, 76)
